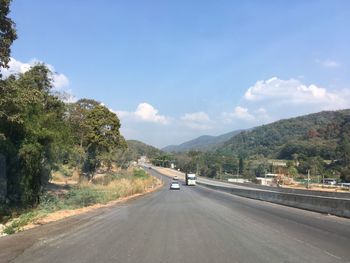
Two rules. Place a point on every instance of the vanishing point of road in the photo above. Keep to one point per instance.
(194, 224)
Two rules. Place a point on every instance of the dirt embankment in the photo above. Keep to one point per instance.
(170, 173)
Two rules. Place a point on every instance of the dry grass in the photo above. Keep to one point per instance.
(65, 175)
(122, 187)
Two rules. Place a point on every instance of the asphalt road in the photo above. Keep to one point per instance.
(194, 224)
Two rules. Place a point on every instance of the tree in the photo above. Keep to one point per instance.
(292, 171)
(33, 132)
(344, 150)
(164, 159)
(240, 166)
(7, 33)
(345, 174)
(77, 114)
(102, 137)
(96, 135)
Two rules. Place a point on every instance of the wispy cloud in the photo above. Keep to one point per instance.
(328, 63)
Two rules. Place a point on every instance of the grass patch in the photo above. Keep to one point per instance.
(24, 219)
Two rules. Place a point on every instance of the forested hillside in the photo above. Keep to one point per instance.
(202, 143)
(320, 134)
(318, 143)
(136, 149)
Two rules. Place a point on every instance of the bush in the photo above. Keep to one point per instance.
(139, 173)
(50, 203)
(83, 196)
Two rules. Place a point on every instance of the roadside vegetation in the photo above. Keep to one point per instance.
(103, 189)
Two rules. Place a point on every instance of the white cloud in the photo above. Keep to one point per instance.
(15, 67)
(144, 112)
(147, 112)
(328, 63)
(239, 113)
(59, 80)
(293, 92)
(197, 120)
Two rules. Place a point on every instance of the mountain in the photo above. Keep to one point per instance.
(202, 143)
(318, 143)
(318, 134)
(137, 149)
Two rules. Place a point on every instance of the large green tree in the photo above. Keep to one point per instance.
(77, 113)
(96, 132)
(103, 137)
(33, 132)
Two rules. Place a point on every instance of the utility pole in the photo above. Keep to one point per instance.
(308, 179)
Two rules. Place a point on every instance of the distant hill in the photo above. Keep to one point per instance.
(137, 149)
(317, 134)
(202, 143)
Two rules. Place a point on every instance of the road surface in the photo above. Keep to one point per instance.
(194, 224)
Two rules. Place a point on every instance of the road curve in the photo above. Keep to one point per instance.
(194, 224)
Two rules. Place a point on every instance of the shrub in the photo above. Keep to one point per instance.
(83, 196)
(24, 219)
(50, 202)
(139, 173)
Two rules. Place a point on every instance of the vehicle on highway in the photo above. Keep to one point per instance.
(190, 179)
(174, 186)
(175, 178)
(330, 181)
(345, 185)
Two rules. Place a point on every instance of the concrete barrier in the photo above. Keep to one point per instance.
(329, 205)
(341, 195)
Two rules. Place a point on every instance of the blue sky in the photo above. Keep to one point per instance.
(174, 70)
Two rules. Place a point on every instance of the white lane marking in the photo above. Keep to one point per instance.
(332, 255)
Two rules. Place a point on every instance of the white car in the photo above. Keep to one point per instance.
(175, 178)
(174, 186)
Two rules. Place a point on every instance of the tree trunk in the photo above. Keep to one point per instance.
(3, 179)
